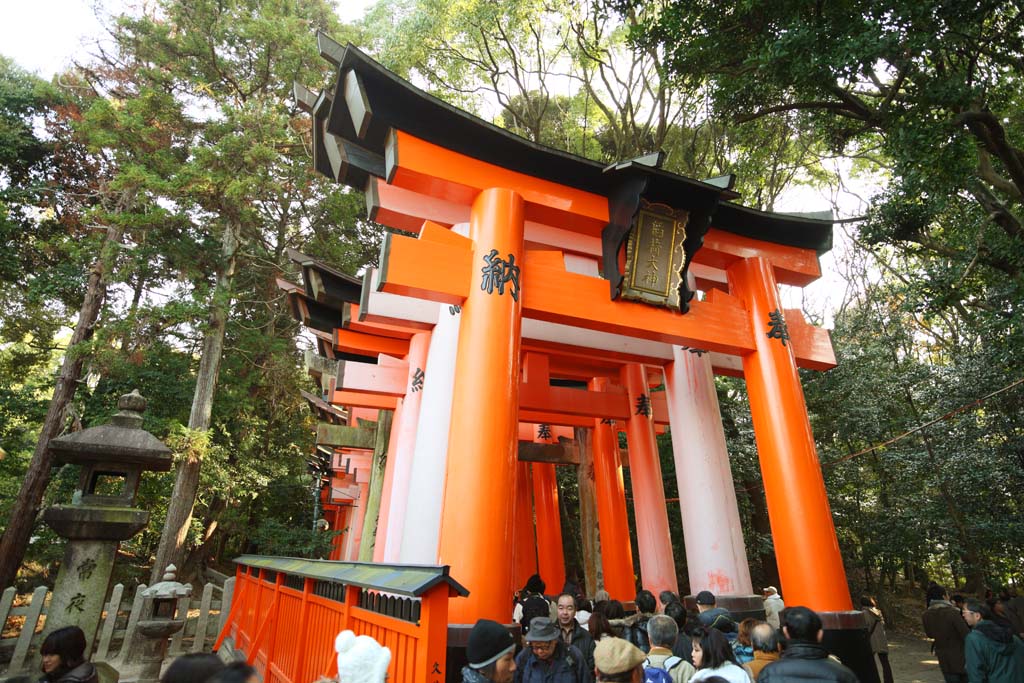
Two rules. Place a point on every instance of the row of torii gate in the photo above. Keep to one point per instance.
(512, 331)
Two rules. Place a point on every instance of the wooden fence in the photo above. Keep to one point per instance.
(287, 612)
(116, 637)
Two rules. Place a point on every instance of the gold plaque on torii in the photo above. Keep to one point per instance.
(655, 256)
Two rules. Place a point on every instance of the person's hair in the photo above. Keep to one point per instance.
(715, 679)
(935, 592)
(979, 607)
(677, 611)
(600, 606)
(869, 601)
(69, 644)
(764, 638)
(645, 602)
(802, 623)
(715, 648)
(746, 626)
(534, 584)
(615, 610)
(235, 672)
(598, 626)
(192, 668)
(585, 605)
(667, 598)
(958, 598)
(567, 595)
(662, 630)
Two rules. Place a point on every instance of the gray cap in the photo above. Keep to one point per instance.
(542, 629)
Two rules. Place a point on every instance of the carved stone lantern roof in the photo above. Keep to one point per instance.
(122, 440)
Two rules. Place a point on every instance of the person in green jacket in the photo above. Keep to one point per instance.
(993, 653)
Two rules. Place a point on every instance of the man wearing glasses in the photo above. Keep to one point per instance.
(547, 659)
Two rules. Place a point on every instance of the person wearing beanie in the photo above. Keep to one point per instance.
(490, 651)
(618, 661)
(361, 659)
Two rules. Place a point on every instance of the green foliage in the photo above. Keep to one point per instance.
(272, 537)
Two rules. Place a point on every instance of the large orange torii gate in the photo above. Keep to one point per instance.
(560, 240)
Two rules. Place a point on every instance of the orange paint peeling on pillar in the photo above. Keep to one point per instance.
(810, 564)
(613, 522)
(654, 542)
(476, 520)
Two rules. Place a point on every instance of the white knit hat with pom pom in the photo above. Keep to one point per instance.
(361, 659)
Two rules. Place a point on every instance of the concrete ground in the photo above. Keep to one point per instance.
(912, 660)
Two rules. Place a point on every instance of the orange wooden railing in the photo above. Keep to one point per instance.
(286, 613)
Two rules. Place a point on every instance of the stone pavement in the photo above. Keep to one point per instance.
(912, 660)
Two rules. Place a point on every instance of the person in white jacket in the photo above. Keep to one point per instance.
(773, 605)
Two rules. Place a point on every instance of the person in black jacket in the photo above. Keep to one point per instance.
(804, 658)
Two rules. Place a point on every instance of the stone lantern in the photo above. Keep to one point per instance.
(158, 621)
(101, 514)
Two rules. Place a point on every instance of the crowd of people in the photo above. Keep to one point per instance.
(976, 640)
(569, 639)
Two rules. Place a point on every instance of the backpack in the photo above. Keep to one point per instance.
(653, 674)
(534, 606)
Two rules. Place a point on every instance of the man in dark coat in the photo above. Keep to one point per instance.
(804, 658)
(547, 659)
(944, 624)
(571, 631)
(992, 652)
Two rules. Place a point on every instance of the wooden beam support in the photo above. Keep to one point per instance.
(371, 345)
(341, 435)
(565, 452)
(353, 399)
(792, 265)
(552, 294)
(383, 380)
(418, 165)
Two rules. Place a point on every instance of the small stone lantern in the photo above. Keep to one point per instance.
(101, 514)
(159, 619)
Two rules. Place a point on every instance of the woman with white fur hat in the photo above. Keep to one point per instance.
(361, 659)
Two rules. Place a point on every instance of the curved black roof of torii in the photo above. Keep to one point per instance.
(377, 101)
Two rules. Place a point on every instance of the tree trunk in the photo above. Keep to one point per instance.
(26, 506)
(590, 537)
(186, 482)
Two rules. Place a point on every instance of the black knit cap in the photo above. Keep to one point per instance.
(488, 642)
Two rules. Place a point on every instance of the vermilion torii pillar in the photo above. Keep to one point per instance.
(550, 553)
(476, 520)
(810, 564)
(616, 550)
(654, 543)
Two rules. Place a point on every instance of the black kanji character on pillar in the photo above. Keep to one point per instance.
(77, 603)
(437, 669)
(86, 569)
(417, 380)
(543, 431)
(497, 272)
(643, 405)
(699, 352)
(777, 327)
(608, 421)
